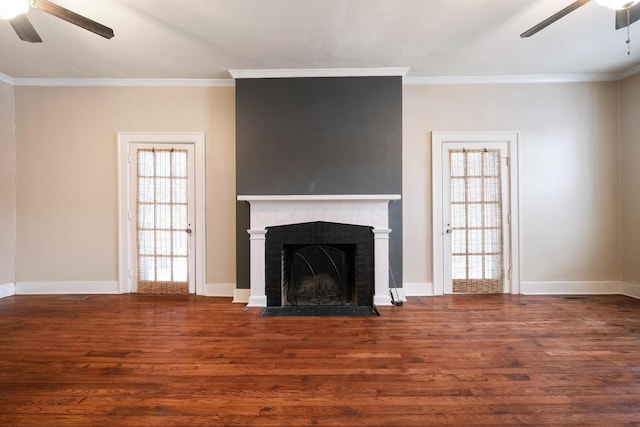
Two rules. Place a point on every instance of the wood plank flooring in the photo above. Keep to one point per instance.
(132, 360)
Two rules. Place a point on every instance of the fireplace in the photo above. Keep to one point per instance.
(274, 219)
(318, 275)
(319, 263)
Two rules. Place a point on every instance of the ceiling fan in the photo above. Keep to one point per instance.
(627, 12)
(16, 10)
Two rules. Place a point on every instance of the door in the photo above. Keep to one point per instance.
(473, 228)
(163, 216)
(146, 163)
(476, 229)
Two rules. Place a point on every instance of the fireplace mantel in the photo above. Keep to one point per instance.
(316, 197)
(361, 209)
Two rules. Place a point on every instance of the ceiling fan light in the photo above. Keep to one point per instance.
(9, 9)
(617, 4)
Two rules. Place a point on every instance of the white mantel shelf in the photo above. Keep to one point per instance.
(321, 197)
(356, 209)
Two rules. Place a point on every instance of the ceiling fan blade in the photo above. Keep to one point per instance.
(553, 18)
(24, 29)
(621, 16)
(72, 17)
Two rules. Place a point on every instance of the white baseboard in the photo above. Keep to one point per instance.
(219, 289)
(571, 288)
(45, 288)
(244, 296)
(381, 300)
(399, 294)
(257, 301)
(630, 289)
(241, 295)
(7, 290)
(409, 289)
(418, 289)
(545, 288)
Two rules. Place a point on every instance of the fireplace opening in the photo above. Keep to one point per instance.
(319, 264)
(318, 275)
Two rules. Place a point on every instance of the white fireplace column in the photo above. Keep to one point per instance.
(257, 240)
(381, 295)
(371, 210)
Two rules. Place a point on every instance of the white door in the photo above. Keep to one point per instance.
(160, 175)
(163, 218)
(473, 229)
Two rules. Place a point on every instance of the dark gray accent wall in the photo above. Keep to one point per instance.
(318, 136)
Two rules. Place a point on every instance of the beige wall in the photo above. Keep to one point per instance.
(569, 175)
(569, 188)
(7, 184)
(67, 174)
(630, 176)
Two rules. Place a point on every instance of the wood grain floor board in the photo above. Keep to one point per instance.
(133, 360)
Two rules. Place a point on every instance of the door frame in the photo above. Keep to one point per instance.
(438, 192)
(125, 215)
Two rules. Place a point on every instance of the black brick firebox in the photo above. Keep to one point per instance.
(347, 250)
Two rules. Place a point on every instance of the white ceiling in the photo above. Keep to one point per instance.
(203, 39)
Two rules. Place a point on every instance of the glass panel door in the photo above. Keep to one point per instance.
(476, 221)
(163, 218)
(476, 231)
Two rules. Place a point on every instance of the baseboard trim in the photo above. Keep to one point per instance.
(398, 294)
(7, 290)
(544, 288)
(241, 295)
(73, 287)
(256, 301)
(630, 289)
(418, 289)
(572, 288)
(219, 289)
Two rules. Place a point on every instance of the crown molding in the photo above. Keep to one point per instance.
(327, 72)
(123, 82)
(630, 72)
(507, 79)
(7, 79)
(318, 72)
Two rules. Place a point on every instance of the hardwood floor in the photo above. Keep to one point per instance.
(130, 360)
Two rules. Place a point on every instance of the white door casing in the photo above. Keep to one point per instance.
(128, 143)
(507, 142)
